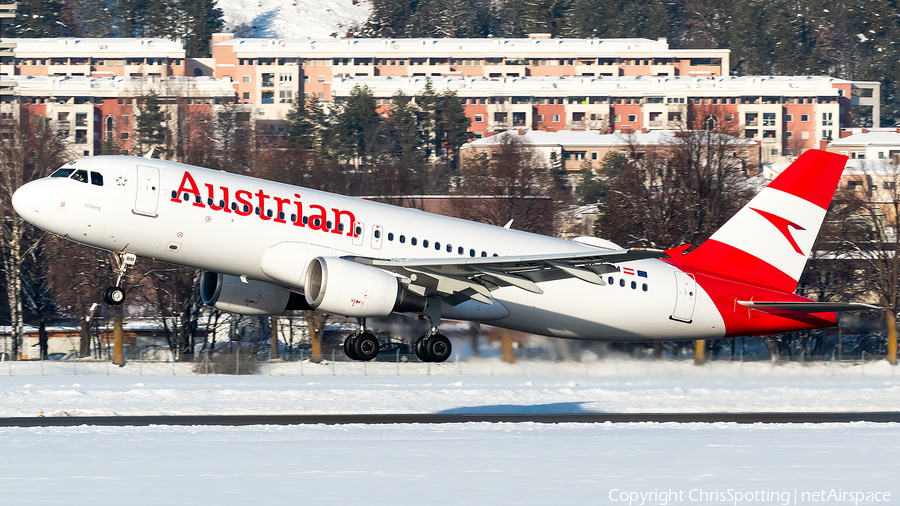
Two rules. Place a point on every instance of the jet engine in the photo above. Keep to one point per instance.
(347, 288)
(255, 298)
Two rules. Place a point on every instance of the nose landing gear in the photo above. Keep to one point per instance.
(115, 295)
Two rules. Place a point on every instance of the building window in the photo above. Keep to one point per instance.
(321, 78)
(246, 79)
(804, 135)
(789, 134)
(540, 118)
(554, 118)
(632, 118)
(479, 118)
(788, 118)
(804, 117)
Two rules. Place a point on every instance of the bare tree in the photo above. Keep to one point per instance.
(28, 150)
(512, 182)
(877, 190)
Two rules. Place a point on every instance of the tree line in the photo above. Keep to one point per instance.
(192, 21)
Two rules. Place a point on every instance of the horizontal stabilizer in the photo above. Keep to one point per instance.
(804, 307)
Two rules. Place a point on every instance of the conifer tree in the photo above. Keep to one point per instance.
(151, 124)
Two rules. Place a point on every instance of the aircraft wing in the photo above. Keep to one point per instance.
(457, 280)
(774, 307)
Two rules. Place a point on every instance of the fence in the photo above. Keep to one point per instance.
(610, 367)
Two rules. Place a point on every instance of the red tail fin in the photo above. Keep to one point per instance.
(768, 241)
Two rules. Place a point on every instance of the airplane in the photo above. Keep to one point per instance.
(266, 247)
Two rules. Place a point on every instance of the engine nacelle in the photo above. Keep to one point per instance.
(347, 288)
(254, 298)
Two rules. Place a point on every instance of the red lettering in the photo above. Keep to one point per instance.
(322, 216)
(188, 186)
(299, 221)
(337, 220)
(280, 202)
(212, 198)
(262, 205)
(245, 202)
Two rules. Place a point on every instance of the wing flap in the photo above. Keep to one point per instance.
(456, 280)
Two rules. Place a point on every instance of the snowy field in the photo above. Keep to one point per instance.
(293, 19)
(450, 464)
(474, 386)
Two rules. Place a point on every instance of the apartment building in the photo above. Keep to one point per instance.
(868, 144)
(537, 83)
(267, 71)
(131, 57)
(87, 111)
(784, 114)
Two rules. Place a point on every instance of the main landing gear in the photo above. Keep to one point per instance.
(432, 347)
(115, 295)
(362, 344)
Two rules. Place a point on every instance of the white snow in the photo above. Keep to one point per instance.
(473, 386)
(448, 464)
(293, 19)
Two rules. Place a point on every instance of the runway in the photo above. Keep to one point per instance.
(443, 418)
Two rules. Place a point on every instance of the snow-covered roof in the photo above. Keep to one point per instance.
(591, 138)
(598, 85)
(110, 47)
(100, 86)
(872, 138)
(483, 47)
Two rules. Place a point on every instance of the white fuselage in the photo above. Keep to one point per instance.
(134, 210)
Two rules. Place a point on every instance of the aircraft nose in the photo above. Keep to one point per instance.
(26, 201)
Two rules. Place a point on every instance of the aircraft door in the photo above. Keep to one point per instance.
(377, 234)
(685, 298)
(147, 200)
(359, 230)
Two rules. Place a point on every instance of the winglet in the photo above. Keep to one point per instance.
(149, 154)
(508, 224)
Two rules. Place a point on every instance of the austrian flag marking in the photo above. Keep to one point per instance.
(628, 270)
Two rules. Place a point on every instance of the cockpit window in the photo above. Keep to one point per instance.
(97, 178)
(62, 173)
(80, 175)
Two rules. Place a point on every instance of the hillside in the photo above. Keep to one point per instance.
(291, 19)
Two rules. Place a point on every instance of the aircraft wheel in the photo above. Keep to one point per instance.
(349, 348)
(438, 347)
(421, 352)
(114, 296)
(365, 346)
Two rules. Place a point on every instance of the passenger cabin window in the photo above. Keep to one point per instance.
(62, 173)
(413, 241)
(80, 175)
(96, 178)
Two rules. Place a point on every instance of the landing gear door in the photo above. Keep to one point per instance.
(147, 200)
(377, 236)
(359, 230)
(685, 297)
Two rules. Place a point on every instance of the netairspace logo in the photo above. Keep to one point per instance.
(735, 497)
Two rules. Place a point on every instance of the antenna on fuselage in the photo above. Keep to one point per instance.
(508, 224)
(149, 155)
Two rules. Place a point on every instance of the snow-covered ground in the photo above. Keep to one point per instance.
(474, 386)
(293, 19)
(450, 464)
